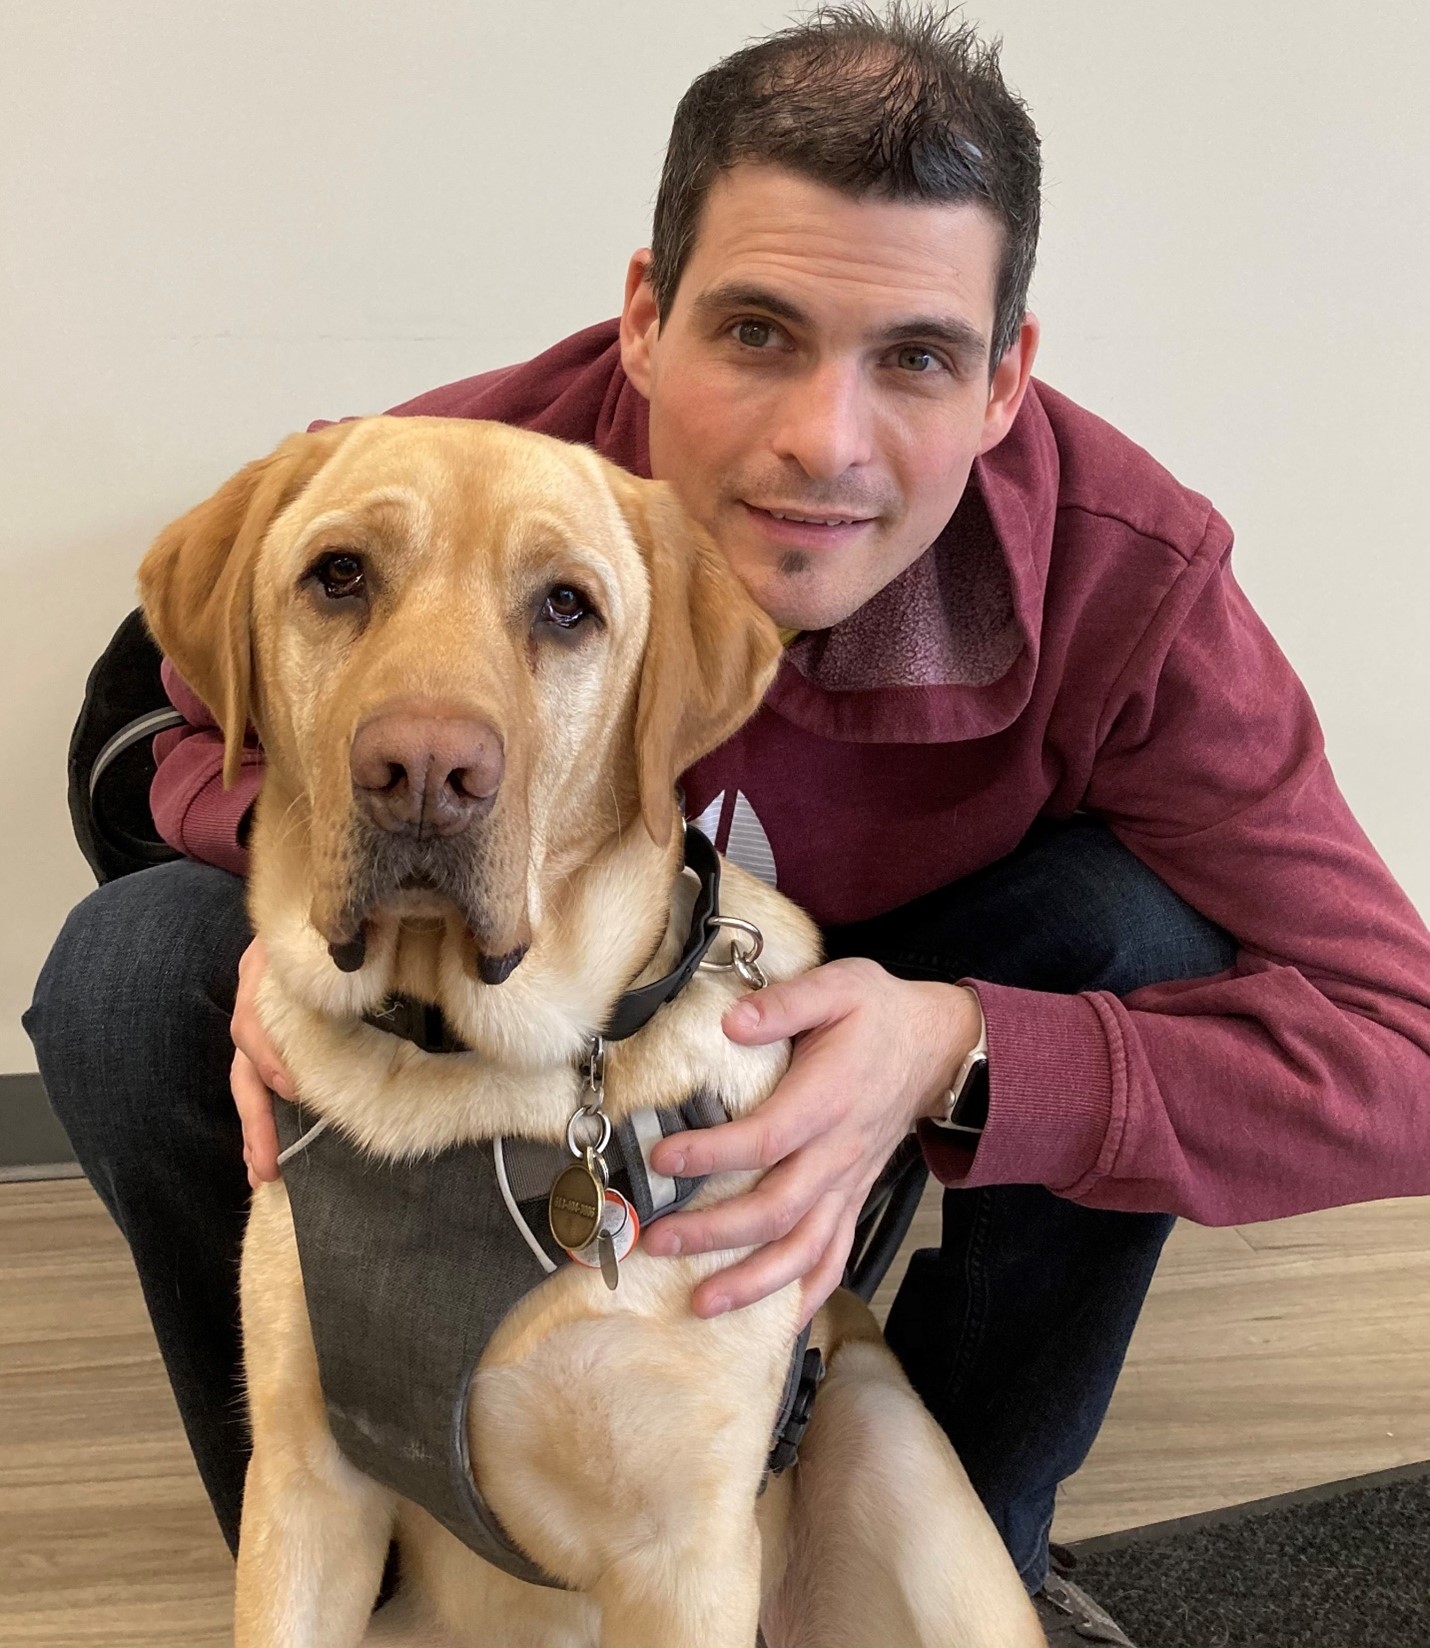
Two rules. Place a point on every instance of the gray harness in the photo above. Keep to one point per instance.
(409, 1268)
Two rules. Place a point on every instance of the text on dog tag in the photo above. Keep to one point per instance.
(575, 1205)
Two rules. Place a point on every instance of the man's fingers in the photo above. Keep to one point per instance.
(761, 1139)
(770, 1211)
(771, 1267)
(247, 1031)
(259, 1053)
(810, 1099)
(820, 997)
(790, 1007)
(829, 1272)
(255, 1113)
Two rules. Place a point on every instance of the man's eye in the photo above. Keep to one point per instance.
(341, 576)
(565, 607)
(754, 334)
(914, 358)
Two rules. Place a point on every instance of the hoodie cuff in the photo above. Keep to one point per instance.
(202, 819)
(1050, 1097)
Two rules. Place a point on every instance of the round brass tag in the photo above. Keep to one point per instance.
(575, 1206)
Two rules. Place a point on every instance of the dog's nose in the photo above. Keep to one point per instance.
(426, 775)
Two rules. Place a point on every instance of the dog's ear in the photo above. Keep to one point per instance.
(710, 654)
(196, 582)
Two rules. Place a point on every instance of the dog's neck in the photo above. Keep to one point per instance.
(620, 921)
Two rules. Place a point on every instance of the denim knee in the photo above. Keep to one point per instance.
(1070, 909)
(137, 990)
(1130, 928)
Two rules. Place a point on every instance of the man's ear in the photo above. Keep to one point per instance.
(640, 323)
(710, 654)
(196, 582)
(1009, 383)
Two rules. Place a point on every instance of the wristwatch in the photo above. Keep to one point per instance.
(965, 1105)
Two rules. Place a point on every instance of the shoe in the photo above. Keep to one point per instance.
(1068, 1615)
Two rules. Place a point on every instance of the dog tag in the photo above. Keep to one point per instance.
(575, 1206)
(620, 1231)
(610, 1265)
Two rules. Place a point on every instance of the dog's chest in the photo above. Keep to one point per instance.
(410, 1267)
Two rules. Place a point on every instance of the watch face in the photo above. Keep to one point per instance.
(971, 1107)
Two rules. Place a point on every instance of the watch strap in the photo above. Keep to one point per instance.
(965, 1104)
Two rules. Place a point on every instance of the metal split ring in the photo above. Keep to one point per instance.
(744, 962)
(597, 1146)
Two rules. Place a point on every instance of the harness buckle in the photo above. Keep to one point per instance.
(786, 1448)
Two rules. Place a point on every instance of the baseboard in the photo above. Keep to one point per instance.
(32, 1143)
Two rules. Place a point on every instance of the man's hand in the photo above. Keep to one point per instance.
(872, 1054)
(257, 1073)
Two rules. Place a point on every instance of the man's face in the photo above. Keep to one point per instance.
(824, 358)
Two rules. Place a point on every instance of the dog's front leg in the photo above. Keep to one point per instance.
(310, 1557)
(707, 1596)
(315, 1530)
(623, 1448)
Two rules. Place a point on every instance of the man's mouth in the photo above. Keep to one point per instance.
(815, 520)
(805, 528)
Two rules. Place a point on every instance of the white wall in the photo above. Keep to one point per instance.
(220, 221)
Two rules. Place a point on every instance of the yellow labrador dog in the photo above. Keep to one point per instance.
(478, 660)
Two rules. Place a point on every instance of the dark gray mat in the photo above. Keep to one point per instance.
(1346, 1565)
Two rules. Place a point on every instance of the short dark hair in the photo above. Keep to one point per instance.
(907, 105)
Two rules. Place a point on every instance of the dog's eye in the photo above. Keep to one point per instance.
(565, 607)
(340, 576)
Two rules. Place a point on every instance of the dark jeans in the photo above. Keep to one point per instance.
(1013, 1331)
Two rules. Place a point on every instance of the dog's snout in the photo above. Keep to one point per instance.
(426, 774)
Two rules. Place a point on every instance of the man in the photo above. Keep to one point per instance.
(1045, 781)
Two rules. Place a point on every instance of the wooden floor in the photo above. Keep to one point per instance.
(1268, 1358)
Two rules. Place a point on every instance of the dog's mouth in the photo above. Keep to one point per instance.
(425, 883)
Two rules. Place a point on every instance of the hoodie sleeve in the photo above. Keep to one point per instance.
(192, 810)
(1300, 1077)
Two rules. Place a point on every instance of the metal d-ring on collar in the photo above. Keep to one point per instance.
(745, 962)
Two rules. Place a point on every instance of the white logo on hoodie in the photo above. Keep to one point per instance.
(745, 842)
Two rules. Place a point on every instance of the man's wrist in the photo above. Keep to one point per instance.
(968, 1042)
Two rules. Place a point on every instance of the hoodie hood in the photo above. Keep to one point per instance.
(949, 650)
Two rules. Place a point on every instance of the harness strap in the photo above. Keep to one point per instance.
(410, 1266)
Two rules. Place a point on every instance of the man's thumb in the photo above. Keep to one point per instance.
(766, 1015)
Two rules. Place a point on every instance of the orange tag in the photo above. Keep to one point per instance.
(621, 1223)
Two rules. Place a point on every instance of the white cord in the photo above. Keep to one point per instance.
(305, 1141)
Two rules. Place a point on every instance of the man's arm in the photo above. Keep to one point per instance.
(192, 811)
(1300, 1078)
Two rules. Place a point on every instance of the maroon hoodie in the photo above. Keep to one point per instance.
(1075, 639)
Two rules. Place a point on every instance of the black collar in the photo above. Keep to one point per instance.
(425, 1025)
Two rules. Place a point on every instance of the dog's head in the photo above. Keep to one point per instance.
(472, 655)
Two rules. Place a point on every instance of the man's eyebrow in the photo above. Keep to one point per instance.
(738, 294)
(965, 342)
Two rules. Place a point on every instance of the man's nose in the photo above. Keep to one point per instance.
(426, 775)
(825, 421)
